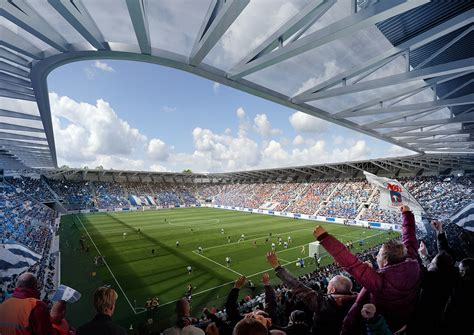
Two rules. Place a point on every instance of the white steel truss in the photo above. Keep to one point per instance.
(32, 45)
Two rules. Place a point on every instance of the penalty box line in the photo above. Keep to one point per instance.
(108, 267)
(217, 263)
(323, 255)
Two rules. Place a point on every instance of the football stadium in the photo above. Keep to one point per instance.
(236, 167)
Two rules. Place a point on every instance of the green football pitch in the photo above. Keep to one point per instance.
(136, 274)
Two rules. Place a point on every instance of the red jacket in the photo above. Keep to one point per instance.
(393, 289)
(40, 321)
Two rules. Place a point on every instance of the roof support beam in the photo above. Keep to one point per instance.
(422, 106)
(14, 95)
(14, 80)
(18, 115)
(7, 142)
(399, 116)
(295, 26)
(136, 9)
(79, 18)
(400, 133)
(353, 23)
(426, 123)
(12, 57)
(16, 88)
(21, 14)
(382, 167)
(412, 44)
(8, 126)
(402, 93)
(463, 65)
(220, 15)
(444, 47)
(19, 136)
(19, 44)
(13, 69)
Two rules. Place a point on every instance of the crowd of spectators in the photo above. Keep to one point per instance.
(25, 221)
(355, 199)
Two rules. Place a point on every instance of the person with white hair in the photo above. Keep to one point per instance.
(328, 309)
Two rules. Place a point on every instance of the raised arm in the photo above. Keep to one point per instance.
(309, 297)
(231, 303)
(442, 241)
(408, 232)
(270, 299)
(362, 272)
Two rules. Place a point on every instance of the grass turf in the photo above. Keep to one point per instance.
(137, 274)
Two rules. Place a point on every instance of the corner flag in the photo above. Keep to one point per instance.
(392, 194)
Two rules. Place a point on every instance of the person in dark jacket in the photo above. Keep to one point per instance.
(231, 306)
(104, 303)
(328, 309)
(297, 324)
(393, 288)
(458, 312)
(375, 323)
(439, 278)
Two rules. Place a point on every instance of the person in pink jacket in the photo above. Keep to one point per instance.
(393, 288)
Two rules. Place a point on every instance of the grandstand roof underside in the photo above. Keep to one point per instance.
(415, 165)
(406, 76)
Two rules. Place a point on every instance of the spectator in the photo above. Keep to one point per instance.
(104, 303)
(393, 288)
(458, 315)
(58, 319)
(436, 287)
(184, 322)
(297, 324)
(328, 309)
(250, 326)
(375, 323)
(24, 312)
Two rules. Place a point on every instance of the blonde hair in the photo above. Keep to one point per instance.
(104, 299)
(394, 252)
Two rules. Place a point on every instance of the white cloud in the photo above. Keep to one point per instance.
(216, 86)
(103, 66)
(306, 123)
(396, 151)
(158, 168)
(263, 127)
(240, 113)
(168, 109)
(158, 150)
(298, 140)
(90, 73)
(93, 134)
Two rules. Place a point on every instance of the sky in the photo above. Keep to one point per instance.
(137, 116)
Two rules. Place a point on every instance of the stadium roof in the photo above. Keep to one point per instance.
(400, 71)
(415, 165)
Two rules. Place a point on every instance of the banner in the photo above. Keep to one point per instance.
(67, 294)
(392, 194)
(465, 217)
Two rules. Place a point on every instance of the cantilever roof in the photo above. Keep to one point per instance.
(401, 71)
(414, 165)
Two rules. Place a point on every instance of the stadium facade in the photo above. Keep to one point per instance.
(425, 106)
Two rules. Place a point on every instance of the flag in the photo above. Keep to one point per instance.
(16, 259)
(465, 217)
(392, 194)
(67, 294)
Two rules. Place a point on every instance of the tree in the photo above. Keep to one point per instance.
(187, 171)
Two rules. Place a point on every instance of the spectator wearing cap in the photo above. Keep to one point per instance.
(24, 312)
(104, 303)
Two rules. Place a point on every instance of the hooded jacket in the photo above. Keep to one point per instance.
(393, 289)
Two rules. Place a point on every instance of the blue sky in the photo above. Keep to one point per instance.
(131, 115)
